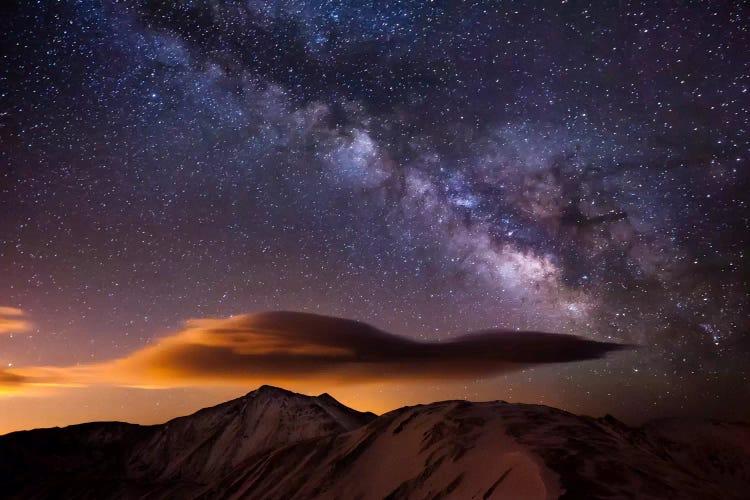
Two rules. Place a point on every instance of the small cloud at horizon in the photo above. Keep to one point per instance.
(12, 321)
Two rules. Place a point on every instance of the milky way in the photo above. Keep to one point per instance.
(427, 167)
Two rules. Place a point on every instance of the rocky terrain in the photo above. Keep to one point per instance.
(275, 444)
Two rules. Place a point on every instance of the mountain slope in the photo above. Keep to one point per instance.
(215, 439)
(452, 449)
(274, 444)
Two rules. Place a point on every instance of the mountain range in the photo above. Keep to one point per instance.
(276, 444)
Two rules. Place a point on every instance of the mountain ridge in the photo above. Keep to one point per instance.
(273, 443)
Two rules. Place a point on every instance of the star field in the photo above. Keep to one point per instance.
(428, 167)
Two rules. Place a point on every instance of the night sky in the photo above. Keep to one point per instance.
(429, 168)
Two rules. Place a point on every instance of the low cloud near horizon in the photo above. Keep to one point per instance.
(12, 320)
(278, 347)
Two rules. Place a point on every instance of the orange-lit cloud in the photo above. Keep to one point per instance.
(279, 347)
(12, 321)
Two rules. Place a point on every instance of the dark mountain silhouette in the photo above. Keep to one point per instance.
(276, 444)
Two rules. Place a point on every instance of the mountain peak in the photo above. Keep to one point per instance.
(271, 390)
(327, 397)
